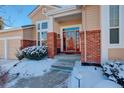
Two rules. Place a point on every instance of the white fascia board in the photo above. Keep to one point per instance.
(39, 7)
(61, 10)
(34, 11)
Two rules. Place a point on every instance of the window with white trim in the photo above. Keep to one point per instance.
(44, 35)
(44, 25)
(114, 24)
(42, 29)
(38, 37)
(38, 26)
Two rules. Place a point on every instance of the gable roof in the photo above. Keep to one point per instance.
(40, 6)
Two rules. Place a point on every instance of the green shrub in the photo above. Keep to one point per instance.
(35, 52)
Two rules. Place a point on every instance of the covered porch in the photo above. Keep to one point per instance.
(75, 31)
(65, 28)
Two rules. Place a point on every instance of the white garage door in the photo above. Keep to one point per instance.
(8, 47)
(12, 47)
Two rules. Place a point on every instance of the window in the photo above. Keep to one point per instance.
(44, 25)
(42, 28)
(44, 35)
(38, 26)
(114, 36)
(38, 39)
(114, 24)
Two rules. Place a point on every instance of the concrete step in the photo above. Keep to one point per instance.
(63, 65)
(69, 58)
(67, 69)
(59, 69)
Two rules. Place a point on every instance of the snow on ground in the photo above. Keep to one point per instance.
(90, 77)
(28, 68)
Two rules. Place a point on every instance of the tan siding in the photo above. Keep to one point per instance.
(12, 46)
(38, 16)
(1, 48)
(116, 53)
(92, 17)
(56, 27)
(72, 22)
(29, 34)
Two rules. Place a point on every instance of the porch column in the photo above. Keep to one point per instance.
(83, 37)
(104, 33)
(51, 39)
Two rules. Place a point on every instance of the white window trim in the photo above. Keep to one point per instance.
(105, 45)
(41, 30)
(40, 22)
(119, 44)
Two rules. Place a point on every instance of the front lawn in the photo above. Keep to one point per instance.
(26, 69)
(90, 77)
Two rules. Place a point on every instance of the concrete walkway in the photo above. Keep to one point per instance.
(48, 80)
(57, 77)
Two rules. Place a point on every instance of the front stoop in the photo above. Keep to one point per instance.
(65, 62)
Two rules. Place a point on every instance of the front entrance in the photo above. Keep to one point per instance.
(71, 40)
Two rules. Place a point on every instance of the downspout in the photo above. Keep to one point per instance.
(84, 29)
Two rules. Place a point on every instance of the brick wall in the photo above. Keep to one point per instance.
(82, 46)
(58, 42)
(58, 45)
(52, 44)
(93, 47)
(27, 43)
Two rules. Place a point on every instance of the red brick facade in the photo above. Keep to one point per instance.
(58, 42)
(93, 48)
(26, 43)
(82, 45)
(52, 44)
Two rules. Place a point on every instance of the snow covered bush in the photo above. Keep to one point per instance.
(35, 52)
(19, 55)
(114, 71)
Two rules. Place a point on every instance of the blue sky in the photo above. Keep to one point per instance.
(16, 15)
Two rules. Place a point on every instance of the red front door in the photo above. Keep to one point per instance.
(71, 41)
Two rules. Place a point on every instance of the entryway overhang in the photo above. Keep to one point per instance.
(64, 11)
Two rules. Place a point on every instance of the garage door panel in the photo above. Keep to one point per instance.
(2, 49)
(13, 46)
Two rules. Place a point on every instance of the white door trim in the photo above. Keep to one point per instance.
(61, 33)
